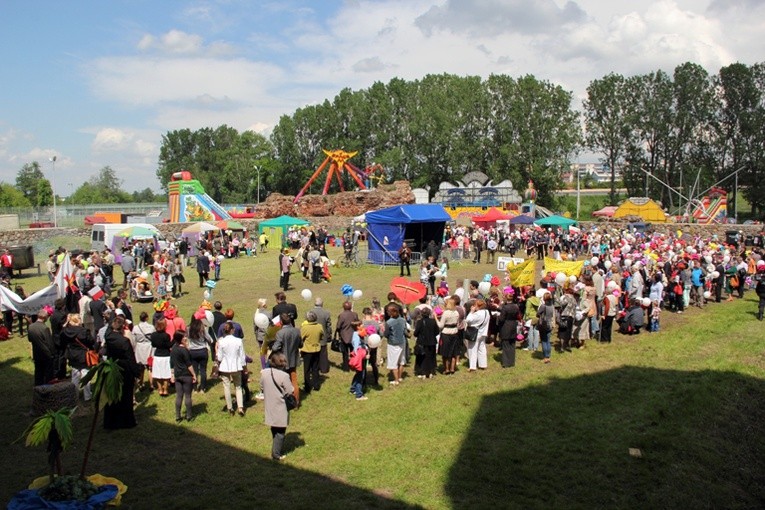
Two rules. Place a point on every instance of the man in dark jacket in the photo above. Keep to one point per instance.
(43, 349)
(289, 341)
(282, 306)
(57, 321)
(344, 330)
(324, 318)
(203, 267)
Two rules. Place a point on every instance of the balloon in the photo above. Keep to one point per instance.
(594, 261)
(612, 285)
(484, 287)
(357, 294)
(627, 262)
(220, 258)
(346, 290)
(560, 279)
(438, 274)
(707, 294)
(608, 264)
(726, 259)
(306, 294)
(261, 320)
(541, 292)
(572, 279)
(206, 294)
(332, 262)
(626, 248)
(710, 268)
(715, 274)
(646, 302)
(144, 275)
(374, 341)
(708, 259)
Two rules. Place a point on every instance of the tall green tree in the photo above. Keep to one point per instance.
(44, 194)
(27, 180)
(609, 120)
(10, 196)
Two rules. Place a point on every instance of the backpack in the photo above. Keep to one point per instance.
(546, 316)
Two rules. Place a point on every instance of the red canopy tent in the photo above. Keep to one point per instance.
(606, 212)
(491, 217)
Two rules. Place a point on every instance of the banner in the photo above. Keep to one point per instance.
(505, 262)
(558, 266)
(521, 275)
(9, 300)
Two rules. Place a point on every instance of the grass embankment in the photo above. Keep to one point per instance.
(691, 398)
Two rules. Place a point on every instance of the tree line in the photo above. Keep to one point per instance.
(672, 136)
(33, 189)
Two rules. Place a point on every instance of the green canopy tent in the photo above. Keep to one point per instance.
(555, 221)
(276, 228)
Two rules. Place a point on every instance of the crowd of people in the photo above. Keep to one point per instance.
(628, 280)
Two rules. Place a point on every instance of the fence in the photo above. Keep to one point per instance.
(70, 215)
(384, 258)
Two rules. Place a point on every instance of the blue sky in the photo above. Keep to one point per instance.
(99, 82)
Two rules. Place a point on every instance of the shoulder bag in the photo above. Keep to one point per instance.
(289, 399)
(91, 356)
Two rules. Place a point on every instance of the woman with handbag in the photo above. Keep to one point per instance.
(142, 345)
(478, 318)
(425, 332)
(449, 323)
(508, 328)
(76, 341)
(277, 389)
(198, 340)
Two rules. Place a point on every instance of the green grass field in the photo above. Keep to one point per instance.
(691, 398)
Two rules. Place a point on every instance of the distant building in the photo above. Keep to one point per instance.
(600, 172)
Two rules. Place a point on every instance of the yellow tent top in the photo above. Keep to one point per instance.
(645, 208)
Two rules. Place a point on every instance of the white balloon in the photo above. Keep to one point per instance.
(627, 262)
(306, 294)
(438, 274)
(707, 294)
(612, 285)
(710, 268)
(541, 292)
(560, 278)
(262, 321)
(332, 262)
(626, 248)
(726, 259)
(715, 274)
(594, 261)
(374, 340)
(357, 294)
(708, 259)
(572, 279)
(484, 287)
(608, 264)
(646, 302)
(220, 258)
(206, 294)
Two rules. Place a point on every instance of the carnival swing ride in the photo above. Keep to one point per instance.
(337, 161)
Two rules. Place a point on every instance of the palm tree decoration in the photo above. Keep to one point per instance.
(106, 385)
(55, 427)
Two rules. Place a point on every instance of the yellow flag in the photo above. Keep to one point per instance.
(558, 266)
(521, 275)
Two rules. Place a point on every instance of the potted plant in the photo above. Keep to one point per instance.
(55, 427)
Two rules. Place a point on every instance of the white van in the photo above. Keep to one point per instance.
(103, 234)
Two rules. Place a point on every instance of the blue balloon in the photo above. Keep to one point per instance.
(347, 290)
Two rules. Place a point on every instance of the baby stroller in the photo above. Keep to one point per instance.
(140, 288)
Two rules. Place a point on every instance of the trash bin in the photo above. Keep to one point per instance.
(23, 257)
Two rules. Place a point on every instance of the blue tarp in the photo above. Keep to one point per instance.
(388, 228)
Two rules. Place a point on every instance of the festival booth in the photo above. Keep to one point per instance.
(418, 224)
(276, 228)
(197, 231)
(125, 239)
(491, 218)
(555, 221)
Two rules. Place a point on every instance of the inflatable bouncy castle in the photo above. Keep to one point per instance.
(189, 202)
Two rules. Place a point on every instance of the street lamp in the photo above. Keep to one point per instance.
(257, 169)
(53, 185)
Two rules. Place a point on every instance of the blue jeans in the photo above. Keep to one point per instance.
(546, 346)
(357, 384)
(217, 272)
(533, 338)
